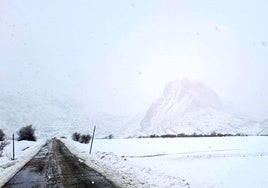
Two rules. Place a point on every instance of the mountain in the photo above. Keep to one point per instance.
(264, 128)
(185, 107)
(49, 115)
(118, 126)
(59, 116)
(192, 107)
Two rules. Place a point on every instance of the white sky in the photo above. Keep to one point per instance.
(116, 56)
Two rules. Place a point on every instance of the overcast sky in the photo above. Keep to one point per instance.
(116, 56)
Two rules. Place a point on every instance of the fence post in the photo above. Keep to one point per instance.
(13, 147)
(92, 140)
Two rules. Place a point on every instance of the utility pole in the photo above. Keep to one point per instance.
(92, 139)
(13, 147)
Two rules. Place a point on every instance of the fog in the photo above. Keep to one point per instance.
(117, 56)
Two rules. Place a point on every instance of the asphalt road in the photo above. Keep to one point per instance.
(54, 166)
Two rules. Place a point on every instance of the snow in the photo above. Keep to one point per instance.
(179, 162)
(120, 171)
(24, 151)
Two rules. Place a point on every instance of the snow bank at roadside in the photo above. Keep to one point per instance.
(24, 151)
(203, 162)
(121, 171)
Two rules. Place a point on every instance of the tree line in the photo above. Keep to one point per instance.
(182, 135)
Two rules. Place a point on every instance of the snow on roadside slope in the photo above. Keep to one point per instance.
(24, 151)
(121, 171)
(201, 162)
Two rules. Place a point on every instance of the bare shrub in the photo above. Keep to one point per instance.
(26, 133)
(82, 138)
(85, 138)
(2, 135)
(3, 144)
(76, 136)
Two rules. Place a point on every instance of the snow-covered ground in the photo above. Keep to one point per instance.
(180, 162)
(24, 151)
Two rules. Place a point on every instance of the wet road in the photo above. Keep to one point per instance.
(54, 166)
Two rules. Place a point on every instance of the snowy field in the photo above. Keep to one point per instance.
(180, 162)
(24, 151)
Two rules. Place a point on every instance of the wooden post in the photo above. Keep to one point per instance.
(13, 147)
(92, 139)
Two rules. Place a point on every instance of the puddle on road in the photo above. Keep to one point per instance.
(22, 178)
(33, 174)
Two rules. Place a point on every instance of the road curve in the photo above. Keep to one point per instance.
(55, 167)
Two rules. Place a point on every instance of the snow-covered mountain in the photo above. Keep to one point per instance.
(49, 115)
(118, 126)
(185, 107)
(264, 128)
(192, 107)
(59, 116)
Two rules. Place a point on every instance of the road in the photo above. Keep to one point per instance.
(55, 167)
